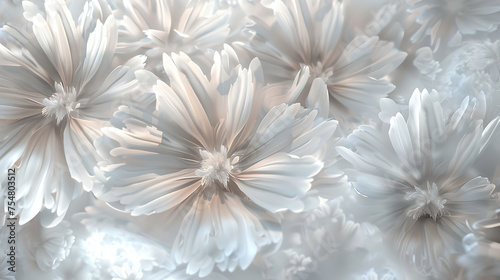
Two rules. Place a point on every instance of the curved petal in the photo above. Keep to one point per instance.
(43, 172)
(279, 181)
(82, 158)
(223, 231)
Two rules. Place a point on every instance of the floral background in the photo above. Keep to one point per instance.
(247, 139)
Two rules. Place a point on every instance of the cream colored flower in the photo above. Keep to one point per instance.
(216, 159)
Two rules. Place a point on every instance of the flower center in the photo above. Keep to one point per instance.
(427, 203)
(317, 71)
(215, 166)
(61, 103)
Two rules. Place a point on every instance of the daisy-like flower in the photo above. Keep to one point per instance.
(447, 21)
(413, 176)
(155, 27)
(58, 88)
(309, 33)
(215, 158)
(482, 257)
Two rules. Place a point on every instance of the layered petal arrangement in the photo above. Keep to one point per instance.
(154, 27)
(249, 139)
(58, 90)
(210, 154)
(413, 174)
(313, 34)
(448, 21)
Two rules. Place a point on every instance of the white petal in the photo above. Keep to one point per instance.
(223, 230)
(264, 183)
(239, 105)
(42, 172)
(79, 136)
(318, 98)
(401, 141)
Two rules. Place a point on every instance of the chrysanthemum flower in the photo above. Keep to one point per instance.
(415, 180)
(310, 33)
(154, 27)
(446, 21)
(214, 157)
(58, 88)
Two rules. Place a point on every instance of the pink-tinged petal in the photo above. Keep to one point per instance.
(239, 105)
(56, 36)
(79, 150)
(283, 92)
(94, 52)
(43, 178)
(180, 106)
(15, 136)
(17, 108)
(154, 193)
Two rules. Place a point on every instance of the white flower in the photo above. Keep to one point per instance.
(472, 69)
(58, 89)
(413, 176)
(426, 64)
(482, 257)
(309, 34)
(47, 246)
(313, 239)
(215, 159)
(446, 21)
(154, 27)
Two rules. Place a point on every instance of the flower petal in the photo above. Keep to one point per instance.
(264, 183)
